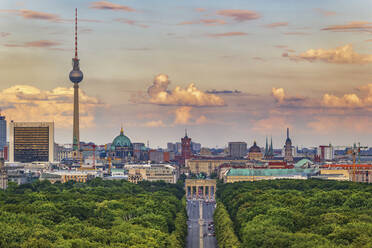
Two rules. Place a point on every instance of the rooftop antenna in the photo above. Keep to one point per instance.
(76, 51)
(287, 132)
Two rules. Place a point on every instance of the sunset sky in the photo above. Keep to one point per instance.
(225, 70)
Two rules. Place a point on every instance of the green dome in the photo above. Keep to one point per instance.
(121, 141)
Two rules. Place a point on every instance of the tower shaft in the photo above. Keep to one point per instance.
(76, 135)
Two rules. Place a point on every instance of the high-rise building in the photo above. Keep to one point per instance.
(171, 147)
(2, 132)
(325, 153)
(288, 149)
(31, 141)
(76, 76)
(195, 147)
(237, 149)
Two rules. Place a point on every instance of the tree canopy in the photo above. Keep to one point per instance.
(299, 213)
(98, 213)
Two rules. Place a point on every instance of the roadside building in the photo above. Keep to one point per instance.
(65, 176)
(151, 172)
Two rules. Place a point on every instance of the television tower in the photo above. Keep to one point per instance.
(76, 76)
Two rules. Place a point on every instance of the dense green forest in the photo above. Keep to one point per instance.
(296, 213)
(94, 214)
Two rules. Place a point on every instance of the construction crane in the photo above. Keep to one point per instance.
(355, 151)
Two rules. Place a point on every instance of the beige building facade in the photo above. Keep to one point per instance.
(153, 172)
(208, 166)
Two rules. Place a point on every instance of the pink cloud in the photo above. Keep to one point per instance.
(280, 46)
(131, 22)
(277, 24)
(200, 10)
(207, 22)
(228, 34)
(105, 5)
(39, 43)
(296, 33)
(213, 21)
(30, 14)
(325, 13)
(359, 26)
(239, 14)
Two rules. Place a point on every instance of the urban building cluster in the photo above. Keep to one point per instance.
(31, 153)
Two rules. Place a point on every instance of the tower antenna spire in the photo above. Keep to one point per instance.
(287, 132)
(76, 51)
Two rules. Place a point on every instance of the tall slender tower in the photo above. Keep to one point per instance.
(186, 148)
(288, 155)
(76, 76)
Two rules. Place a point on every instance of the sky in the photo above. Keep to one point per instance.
(225, 70)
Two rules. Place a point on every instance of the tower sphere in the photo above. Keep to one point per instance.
(76, 76)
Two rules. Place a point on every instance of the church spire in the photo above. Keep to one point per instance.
(287, 133)
(271, 146)
(266, 148)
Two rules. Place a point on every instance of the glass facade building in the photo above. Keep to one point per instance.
(2, 132)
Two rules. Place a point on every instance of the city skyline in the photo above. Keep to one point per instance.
(256, 70)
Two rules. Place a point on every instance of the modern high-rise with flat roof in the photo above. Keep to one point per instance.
(237, 149)
(31, 141)
(2, 132)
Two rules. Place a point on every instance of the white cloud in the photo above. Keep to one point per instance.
(189, 96)
(339, 55)
(29, 103)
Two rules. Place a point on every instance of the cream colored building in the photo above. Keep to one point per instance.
(335, 174)
(208, 166)
(151, 172)
(65, 176)
(240, 175)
